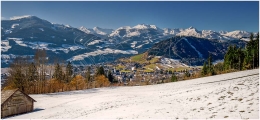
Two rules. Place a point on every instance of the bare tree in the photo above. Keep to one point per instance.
(40, 59)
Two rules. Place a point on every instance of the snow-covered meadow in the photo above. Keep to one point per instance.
(231, 96)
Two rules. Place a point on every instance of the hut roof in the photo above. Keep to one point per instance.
(5, 94)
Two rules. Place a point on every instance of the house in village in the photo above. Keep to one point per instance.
(15, 102)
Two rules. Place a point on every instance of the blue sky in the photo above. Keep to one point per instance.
(202, 15)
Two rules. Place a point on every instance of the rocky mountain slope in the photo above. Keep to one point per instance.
(192, 50)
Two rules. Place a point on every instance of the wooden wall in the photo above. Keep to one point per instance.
(16, 104)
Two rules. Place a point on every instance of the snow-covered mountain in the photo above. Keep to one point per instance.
(154, 33)
(153, 30)
(237, 34)
(192, 50)
(191, 31)
(101, 32)
(208, 34)
(20, 17)
(138, 30)
(23, 34)
(86, 30)
(168, 31)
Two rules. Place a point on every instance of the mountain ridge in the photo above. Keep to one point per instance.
(191, 31)
(22, 35)
(235, 34)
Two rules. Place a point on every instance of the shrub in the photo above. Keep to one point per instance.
(78, 82)
(101, 81)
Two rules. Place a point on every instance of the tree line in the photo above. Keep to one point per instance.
(236, 58)
(37, 76)
(243, 58)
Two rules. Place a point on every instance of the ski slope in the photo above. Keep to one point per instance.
(231, 96)
(200, 55)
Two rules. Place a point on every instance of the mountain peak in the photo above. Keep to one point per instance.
(96, 28)
(86, 30)
(154, 26)
(82, 27)
(240, 31)
(141, 26)
(67, 26)
(145, 26)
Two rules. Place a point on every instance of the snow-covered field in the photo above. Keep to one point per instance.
(102, 52)
(231, 96)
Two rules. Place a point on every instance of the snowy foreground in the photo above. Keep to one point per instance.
(231, 96)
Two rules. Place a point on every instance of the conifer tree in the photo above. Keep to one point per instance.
(228, 58)
(32, 72)
(240, 57)
(88, 75)
(257, 50)
(174, 78)
(69, 72)
(204, 69)
(17, 75)
(250, 57)
(110, 76)
(100, 71)
(210, 65)
(58, 72)
(187, 73)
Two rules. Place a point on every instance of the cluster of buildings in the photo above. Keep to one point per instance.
(132, 72)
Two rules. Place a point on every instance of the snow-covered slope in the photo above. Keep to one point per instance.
(200, 55)
(137, 30)
(208, 34)
(96, 30)
(102, 52)
(230, 96)
(20, 17)
(168, 31)
(102, 31)
(153, 30)
(171, 63)
(191, 31)
(86, 30)
(237, 34)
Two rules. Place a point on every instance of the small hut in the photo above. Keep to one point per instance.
(15, 102)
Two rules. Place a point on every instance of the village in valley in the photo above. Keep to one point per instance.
(143, 70)
(137, 70)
